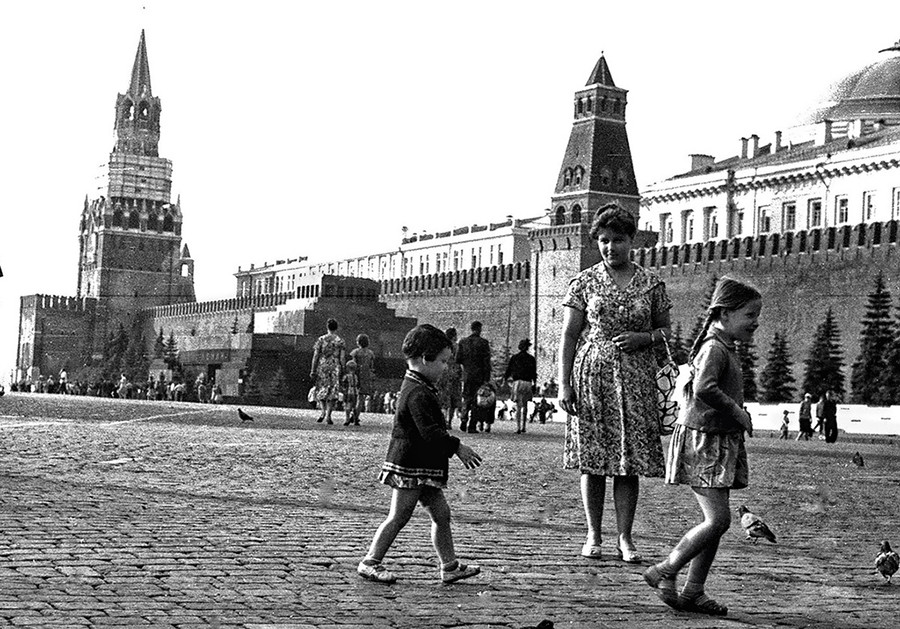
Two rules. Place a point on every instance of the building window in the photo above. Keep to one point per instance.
(814, 213)
(765, 219)
(491, 263)
(789, 212)
(665, 229)
(687, 226)
(710, 223)
(576, 213)
(841, 210)
(868, 205)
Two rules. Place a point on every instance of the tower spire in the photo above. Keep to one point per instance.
(600, 74)
(140, 72)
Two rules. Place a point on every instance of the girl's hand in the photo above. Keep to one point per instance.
(631, 341)
(468, 456)
(567, 399)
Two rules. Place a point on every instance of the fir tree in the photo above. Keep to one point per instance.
(747, 356)
(825, 363)
(114, 353)
(170, 352)
(136, 364)
(677, 344)
(888, 391)
(867, 375)
(777, 379)
(160, 345)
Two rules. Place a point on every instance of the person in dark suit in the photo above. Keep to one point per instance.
(829, 417)
(474, 354)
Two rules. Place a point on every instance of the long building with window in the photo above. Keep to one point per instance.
(838, 167)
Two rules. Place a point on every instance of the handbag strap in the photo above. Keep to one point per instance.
(666, 343)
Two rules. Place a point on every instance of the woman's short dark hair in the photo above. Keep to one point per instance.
(362, 340)
(332, 325)
(424, 340)
(451, 333)
(615, 218)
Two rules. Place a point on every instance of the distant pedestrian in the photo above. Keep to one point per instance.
(785, 420)
(829, 416)
(804, 417)
(328, 360)
(450, 384)
(351, 390)
(522, 370)
(365, 361)
(820, 415)
(707, 450)
(63, 381)
(474, 354)
(417, 459)
(485, 407)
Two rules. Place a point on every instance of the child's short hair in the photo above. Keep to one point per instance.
(362, 340)
(426, 341)
(351, 365)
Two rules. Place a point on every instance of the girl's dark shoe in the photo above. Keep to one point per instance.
(702, 605)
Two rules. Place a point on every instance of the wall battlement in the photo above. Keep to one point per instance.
(769, 248)
(485, 276)
(59, 302)
(257, 302)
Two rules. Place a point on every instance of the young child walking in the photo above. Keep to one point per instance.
(417, 459)
(351, 392)
(707, 450)
(785, 421)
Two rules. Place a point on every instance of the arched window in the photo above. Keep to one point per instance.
(567, 177)
(590, 104)
(560, 215)
(117, 218)
(168, 223)
(144, 110)
(153, 222)
(127, 110)
(616, 106)
(580, 106)
(579, 173)
(576, 214)
(134, 221)
(603, 104)
(621, 179)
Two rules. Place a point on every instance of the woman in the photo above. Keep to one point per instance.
(365, 361)
(450, 383)
(328, 358)
(614, 313)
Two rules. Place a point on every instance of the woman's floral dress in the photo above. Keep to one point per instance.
(327, 357)
(616, 431)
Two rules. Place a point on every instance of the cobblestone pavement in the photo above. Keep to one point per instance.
(120, 514)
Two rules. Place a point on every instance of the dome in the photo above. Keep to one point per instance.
(871, 93)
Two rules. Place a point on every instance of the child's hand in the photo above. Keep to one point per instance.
(468, 456)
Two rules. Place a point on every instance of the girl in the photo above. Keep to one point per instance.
(707, 448)
(416, 465)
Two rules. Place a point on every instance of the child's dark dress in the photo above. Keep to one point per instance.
(420, 445)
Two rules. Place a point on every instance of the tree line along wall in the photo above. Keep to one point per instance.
(800, 276)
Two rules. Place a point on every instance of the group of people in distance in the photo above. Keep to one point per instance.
(350, 382)
(615, 314)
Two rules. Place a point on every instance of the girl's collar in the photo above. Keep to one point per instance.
(721, 337)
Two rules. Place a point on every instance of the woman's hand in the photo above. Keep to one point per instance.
(747, 423)
(567, 399)
(631, 341)
(468, 456)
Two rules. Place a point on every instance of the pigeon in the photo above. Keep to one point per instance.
(544, 624)
(858, 460)
(754, 527)
(887, 561)
(244, 416)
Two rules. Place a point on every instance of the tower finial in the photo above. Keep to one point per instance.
(140, 72)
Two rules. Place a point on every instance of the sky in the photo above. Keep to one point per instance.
(323, 128)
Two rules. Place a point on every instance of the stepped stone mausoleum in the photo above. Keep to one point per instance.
(810, 216)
